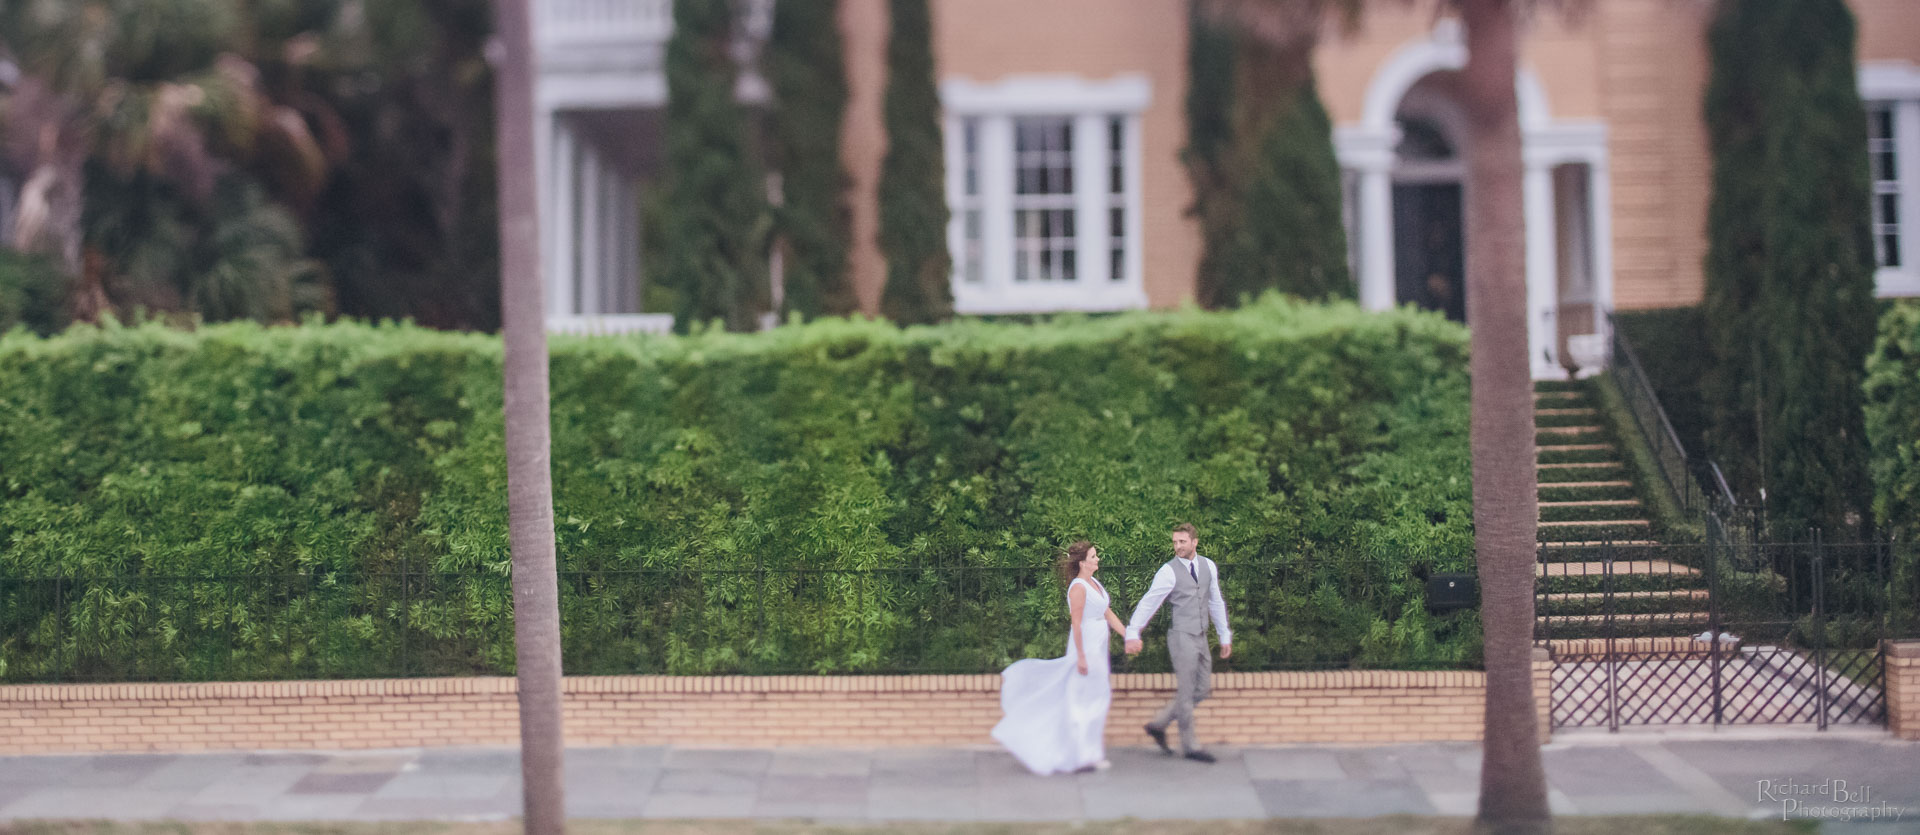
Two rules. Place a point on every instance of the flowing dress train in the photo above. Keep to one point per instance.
(1056, 718)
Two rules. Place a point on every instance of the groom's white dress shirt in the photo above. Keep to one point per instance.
(1163, 586)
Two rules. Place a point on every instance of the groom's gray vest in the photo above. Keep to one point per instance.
(1187, 604)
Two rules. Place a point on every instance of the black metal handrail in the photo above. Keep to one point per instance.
(1725, 516)
(1651, 419)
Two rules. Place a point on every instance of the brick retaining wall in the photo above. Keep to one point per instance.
(1283, 707)
(1903, 688)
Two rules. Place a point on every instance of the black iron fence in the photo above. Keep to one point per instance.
(1286, 614)
(1725, 633)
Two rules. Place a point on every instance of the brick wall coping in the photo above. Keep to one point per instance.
(1902, 648)
(1288, 680)
(1598, 646)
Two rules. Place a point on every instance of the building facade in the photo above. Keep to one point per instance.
(1064, 122)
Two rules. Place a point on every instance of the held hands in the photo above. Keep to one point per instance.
(1081, 665)
(1134, 646)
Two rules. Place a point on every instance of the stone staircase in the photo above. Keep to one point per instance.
(1589, 498)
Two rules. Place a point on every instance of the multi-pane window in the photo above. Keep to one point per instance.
(1043, 180)
(1045, 242)
(1116, 199)
(967, 205)
(1883, 160)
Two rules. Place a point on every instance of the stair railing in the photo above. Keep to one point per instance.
(1727, 518)
(1669, 456)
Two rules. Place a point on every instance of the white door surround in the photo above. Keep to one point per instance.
(1368, 149)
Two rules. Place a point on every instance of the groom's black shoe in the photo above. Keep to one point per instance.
(1160, 736)
(1200, 757)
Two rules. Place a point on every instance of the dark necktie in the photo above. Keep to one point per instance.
(1191, 572)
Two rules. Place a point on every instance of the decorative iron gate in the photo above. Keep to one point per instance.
(1729, 633)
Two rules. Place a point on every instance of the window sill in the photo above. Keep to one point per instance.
(1006, 300)
(1899, 283)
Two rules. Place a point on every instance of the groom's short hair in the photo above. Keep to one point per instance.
(1187, 529)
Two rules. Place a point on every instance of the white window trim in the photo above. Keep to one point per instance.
(1089, 104)
(1897, 83)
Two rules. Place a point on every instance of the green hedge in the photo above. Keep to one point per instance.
(33, 293)
(696, 478)
(1892, 409)
(1893, 420)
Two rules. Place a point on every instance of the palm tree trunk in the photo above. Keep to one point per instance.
(536, 598)
(1513, 789)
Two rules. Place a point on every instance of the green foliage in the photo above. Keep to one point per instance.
(836, 496)
(1649, 486)
(1893, 424)
(1672, 346)
(715, 207)
(401, 95)
(913, 189)
(262, 158)
(32, 292)
(1266, 183)
(809, 80)
(236, 255)
(1893, 420)
(1789, 305)
(1210, 93)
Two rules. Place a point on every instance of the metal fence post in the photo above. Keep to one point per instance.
(1713, 629)
(59, 630)
(406, 616)
(1541, 602)
(1613, 661)
(1819, 631)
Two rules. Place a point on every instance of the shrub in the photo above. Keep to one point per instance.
(1892, 392)
(716, 213)
(1790, 273)
(913, 191)
(33, 293)
(809, 81)
(1260, 155)
(838, 496)
(1892, 395)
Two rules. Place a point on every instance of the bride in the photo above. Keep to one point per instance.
(1056, 708)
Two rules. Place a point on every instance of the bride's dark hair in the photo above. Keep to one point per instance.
(1076, 554)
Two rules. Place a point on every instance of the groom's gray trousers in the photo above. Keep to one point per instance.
(1193, 682)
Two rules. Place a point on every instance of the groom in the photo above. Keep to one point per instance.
(1191, 585)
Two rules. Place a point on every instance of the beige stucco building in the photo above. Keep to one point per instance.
(1064, 122)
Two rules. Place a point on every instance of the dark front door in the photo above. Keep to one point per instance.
(1429, 255)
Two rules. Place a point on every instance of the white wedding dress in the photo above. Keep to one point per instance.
(1056, 718)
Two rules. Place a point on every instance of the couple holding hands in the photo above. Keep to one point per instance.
(1056, 708)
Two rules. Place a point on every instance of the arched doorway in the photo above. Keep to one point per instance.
(1429, 230)
(1405, 174)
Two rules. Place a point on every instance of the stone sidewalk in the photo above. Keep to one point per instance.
(1719, 773)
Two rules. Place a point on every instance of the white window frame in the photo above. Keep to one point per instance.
(1090, 105)
(1896, 85)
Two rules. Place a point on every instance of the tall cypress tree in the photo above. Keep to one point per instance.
(913, 198)
(1266, 181)
(1789, 266)
(809, 80)
(716, 206)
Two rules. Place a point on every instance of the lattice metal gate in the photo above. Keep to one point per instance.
(1719, 634)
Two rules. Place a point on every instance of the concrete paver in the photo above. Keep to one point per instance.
(1738, 774)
